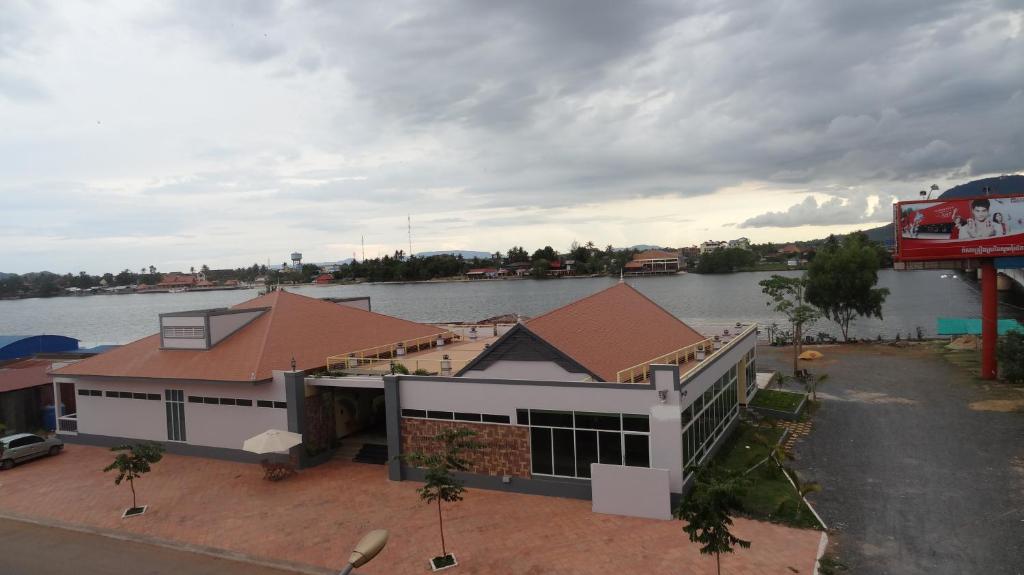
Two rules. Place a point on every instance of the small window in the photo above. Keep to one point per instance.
(125, 395)
(635, 423)
(440, 414)
(227, 401)
(280, 405)
(83, 392)
(210, 400)
(414, 413)
(637, 450)
(138, 396)
(153, 396)
(523, 416)
(550, 418)
(264, 403)
(243, 402)
(605, 421)
(111, 394)
(467, 416)
(194, 399)
(492, 418)
(95, 392)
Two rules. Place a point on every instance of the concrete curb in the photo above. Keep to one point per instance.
(822, 545)
(169, 544)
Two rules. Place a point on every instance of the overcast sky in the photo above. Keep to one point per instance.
(186, 133)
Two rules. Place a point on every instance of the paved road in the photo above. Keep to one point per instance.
(29, 549)
(915, 480)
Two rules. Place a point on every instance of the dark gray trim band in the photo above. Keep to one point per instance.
(580, 384)
(160, 380)
(172, 447)
(393, 418)
(570, 488)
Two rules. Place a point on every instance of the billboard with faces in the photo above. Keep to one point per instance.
(962, 228)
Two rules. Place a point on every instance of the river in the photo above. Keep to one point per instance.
(707, 302)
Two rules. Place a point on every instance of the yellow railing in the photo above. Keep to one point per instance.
(641, 372)
(391, 350)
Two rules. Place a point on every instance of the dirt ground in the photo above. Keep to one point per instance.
(922, 464)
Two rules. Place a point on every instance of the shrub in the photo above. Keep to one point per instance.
(1011, 356)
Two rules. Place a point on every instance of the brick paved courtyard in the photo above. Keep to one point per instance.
(316, 516)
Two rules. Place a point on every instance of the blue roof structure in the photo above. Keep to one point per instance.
(962, 326)
(15, 346)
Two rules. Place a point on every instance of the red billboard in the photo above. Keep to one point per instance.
(962, 228)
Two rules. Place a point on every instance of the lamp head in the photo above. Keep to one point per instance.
(368, 547)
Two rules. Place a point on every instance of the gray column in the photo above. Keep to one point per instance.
(295, 396)
(393, 409)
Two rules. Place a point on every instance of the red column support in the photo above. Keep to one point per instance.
(989, 319)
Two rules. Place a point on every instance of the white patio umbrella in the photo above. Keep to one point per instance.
(272, 441)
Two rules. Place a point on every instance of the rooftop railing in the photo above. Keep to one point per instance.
(690, 356)
(390, 351)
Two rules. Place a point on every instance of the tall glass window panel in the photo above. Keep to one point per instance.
(638, 452)
(540, 448)
(610, 447)
(586, 451)
(565, 457)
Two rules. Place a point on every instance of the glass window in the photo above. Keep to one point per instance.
(153, 396)
(637, 450)
(635, 423)
(83, 392)
(414, 413)
(467, 416)
(280, 405)
(607, 421)
(210, 400)
(540, 450)
(194, 399)
(98, 393)
(227, 401)
(138, 396)
(523, 416)
(586, 451)
(550, 418)
(440, 414)
(264, 403)
(687, 415)
(244, 402)
(610, 447)
(491, 418)
(565, 457)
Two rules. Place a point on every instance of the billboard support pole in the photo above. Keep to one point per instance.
(989, 317)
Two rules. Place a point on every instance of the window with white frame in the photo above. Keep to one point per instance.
(706, 419)
(565, 443)
(751, 371)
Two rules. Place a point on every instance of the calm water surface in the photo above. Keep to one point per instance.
(707, 302)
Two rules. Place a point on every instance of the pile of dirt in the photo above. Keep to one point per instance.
(963, 342)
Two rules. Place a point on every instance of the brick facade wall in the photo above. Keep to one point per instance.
(320, 426)
(506, 447)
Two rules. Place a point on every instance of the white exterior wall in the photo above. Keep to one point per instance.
(224, 325)
(456, 394)
(530, 370)
(630, 491)
(226, 426)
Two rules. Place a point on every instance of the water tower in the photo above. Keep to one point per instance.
(296, 261)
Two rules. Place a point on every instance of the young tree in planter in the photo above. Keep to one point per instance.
(708, 511)
(787, 297)
(131, 463)
(841, 281)
(440, 484)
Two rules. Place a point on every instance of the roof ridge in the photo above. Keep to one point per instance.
(271, 315)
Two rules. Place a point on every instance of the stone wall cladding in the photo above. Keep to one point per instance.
(319, 434)
(506, 451)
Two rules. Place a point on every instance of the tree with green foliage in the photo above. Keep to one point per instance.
(841, 281)
(1011, 356)
(540, 268)
(725, 261)
(708, 510)
(454, 444)
(133, 461)
(788, 298)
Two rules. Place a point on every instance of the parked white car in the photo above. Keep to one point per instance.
(25, 446)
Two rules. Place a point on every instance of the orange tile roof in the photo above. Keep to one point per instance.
(305, 328)
(612, 330)
(655, 255)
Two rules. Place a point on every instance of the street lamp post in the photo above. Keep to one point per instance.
(367, 548)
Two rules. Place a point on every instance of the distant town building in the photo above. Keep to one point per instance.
(296, 261)
(323, 279)
(711, 245)
(483, 273)
(741, 243)
(653, 262)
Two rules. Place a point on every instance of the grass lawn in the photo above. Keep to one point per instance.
(770, 495)
(775, 399)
